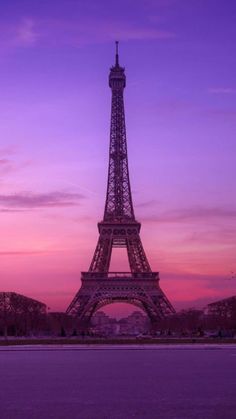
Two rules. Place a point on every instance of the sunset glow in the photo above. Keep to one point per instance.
(54, 138)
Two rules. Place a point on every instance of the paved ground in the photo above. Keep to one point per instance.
(181, 382)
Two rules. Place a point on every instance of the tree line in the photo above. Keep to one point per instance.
(23, 316)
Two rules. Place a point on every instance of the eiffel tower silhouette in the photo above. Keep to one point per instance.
(119, 228)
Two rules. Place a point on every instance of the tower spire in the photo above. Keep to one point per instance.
(117, 53)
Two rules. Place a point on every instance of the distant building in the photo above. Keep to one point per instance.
(132, 325)
(135, 324)
(20, 315)
(104, 325)
(225, 308)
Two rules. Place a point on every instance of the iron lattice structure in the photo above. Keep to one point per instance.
(119, 228)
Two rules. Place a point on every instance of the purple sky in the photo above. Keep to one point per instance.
(54, 131)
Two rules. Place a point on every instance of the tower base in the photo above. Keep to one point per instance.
(139, 289)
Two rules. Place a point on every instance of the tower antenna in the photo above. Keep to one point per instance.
(117, 53)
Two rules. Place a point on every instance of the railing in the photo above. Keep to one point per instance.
(120, 275)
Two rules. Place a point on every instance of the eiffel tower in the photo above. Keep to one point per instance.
(119, 228)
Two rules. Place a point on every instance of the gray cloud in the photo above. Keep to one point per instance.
(219, 235)
(222, 90)
(85, 30)
(29, 200)
(6, 210)
(5, 166)
(3, 162)
(7, 151)
(221, 113)
(145, 204)
(21, 252)
(20, 34)
(99, 30)
(194, 214)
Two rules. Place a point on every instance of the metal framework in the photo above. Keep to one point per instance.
(119, 228)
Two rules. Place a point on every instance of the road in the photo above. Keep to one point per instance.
(114, 382)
